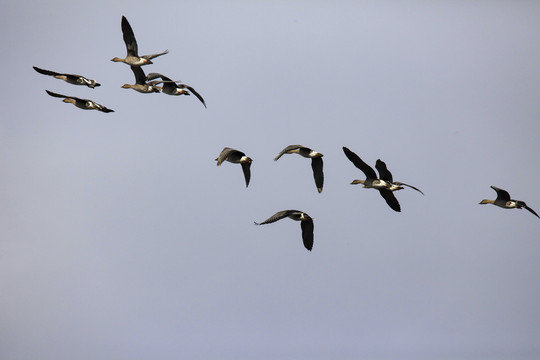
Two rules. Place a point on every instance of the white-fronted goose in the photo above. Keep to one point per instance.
(386, 175)
(372, 181)
(174, 87)
(236, 157)
(81, 103)
(503, 200)
(306, 223)
(69, 78)
(140, 82)
(132, 57)
(316, 161)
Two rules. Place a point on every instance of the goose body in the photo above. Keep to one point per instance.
(132, 56)
(316, 162)
(81, 103)
(306, 223)
(236, 157)
(504, 201)
(69, 78)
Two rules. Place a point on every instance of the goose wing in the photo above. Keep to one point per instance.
(359, 163)
(46, 72)
(140, 78)
(58, 95)
(196, 94)
(390, 199)
(318, 174)
(155, 55)
(103, 108)
(523, 205)
(307, 233)
(246, 168)
(65, 96)
(384, 173)
(502, 195)
(129, 38)
(225, 153)
(286, 150)
(412, 187)
(277, 216)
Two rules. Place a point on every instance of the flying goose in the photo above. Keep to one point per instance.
(174, 87)
(316, 162)
(503, 200)
(69, 78)
(81, 103)
(306, 223)
(372, 181)
(236, 157)
(132, 57)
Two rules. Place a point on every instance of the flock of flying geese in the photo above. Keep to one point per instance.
(143, 83)
(384, 183)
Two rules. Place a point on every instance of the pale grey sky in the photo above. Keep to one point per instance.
(121, 239)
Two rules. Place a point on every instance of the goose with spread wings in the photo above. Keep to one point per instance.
(236, 157)
(132, 57)
(316, 161)
(503, 200)
(69, 78)
(81, 103)
(306, 223)
(372, 181)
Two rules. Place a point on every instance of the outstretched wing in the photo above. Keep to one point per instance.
(412, 187)
(359, 163)
(57, 95)
(277, 216)
(46, 72)
(104, 109)
(307, 233)
(129, 38)
(224, 155)
(64, 96)
(156, 55)
(286, 150)
(501, 194)
(154, 75)
(247, 172)
(522, 204)
(390, 199)
(318, 175)
(196, 94)
(140, 78)
(384, 173)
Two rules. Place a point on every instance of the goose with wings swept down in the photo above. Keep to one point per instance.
(316, 161)
(69, 78)
(306, 223)
(372, 181)
(236, 157)
(503, 200)
(81, 103)
(132, 57)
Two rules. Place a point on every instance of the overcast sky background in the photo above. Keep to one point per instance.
(121, 239)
